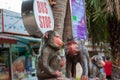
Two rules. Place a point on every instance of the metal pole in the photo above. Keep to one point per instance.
(10, 63)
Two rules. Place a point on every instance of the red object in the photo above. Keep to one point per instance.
(108, 68)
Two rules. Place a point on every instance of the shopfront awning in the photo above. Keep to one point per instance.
(26, 39)
(7, 39)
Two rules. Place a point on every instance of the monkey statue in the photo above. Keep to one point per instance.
(74, 54)
(71, 58)
(50, 62)
(96, 68)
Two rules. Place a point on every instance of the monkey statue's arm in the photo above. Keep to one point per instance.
(85, 58)
(45, 57)
(85, 63)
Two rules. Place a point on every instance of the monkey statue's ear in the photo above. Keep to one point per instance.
(46, 35)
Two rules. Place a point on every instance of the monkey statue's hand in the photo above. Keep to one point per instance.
(58, 73)
(60, 78)
(84, 77)
(63, 62)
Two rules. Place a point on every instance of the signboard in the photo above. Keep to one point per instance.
(11, 22)
(78, 19)
(43, 15)
(37, 17)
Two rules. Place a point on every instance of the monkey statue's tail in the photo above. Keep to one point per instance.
(41, 45)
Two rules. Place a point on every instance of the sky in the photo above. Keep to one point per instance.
(13, 5)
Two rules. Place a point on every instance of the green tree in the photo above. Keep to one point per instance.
(103, 24)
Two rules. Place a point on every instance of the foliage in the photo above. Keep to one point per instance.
(103, 17)
(98, 12)
(97, 20)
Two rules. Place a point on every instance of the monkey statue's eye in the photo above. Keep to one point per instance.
(58, 37)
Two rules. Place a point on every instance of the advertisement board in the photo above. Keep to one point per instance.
(43, 15)
(79, 25)
(11, 22)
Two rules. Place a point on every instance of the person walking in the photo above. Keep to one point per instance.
(108, 68)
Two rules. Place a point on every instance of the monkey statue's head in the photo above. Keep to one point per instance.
(53, 39)
(72, 47)
(96, 60)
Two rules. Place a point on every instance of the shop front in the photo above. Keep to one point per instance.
(24, 58)
(5, 57)
(18, 57)
(4, 64)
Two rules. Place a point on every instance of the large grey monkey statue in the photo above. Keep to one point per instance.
(50, 62)
(74, 54)
(96, 68)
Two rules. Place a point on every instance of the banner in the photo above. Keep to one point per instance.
(79, 25)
